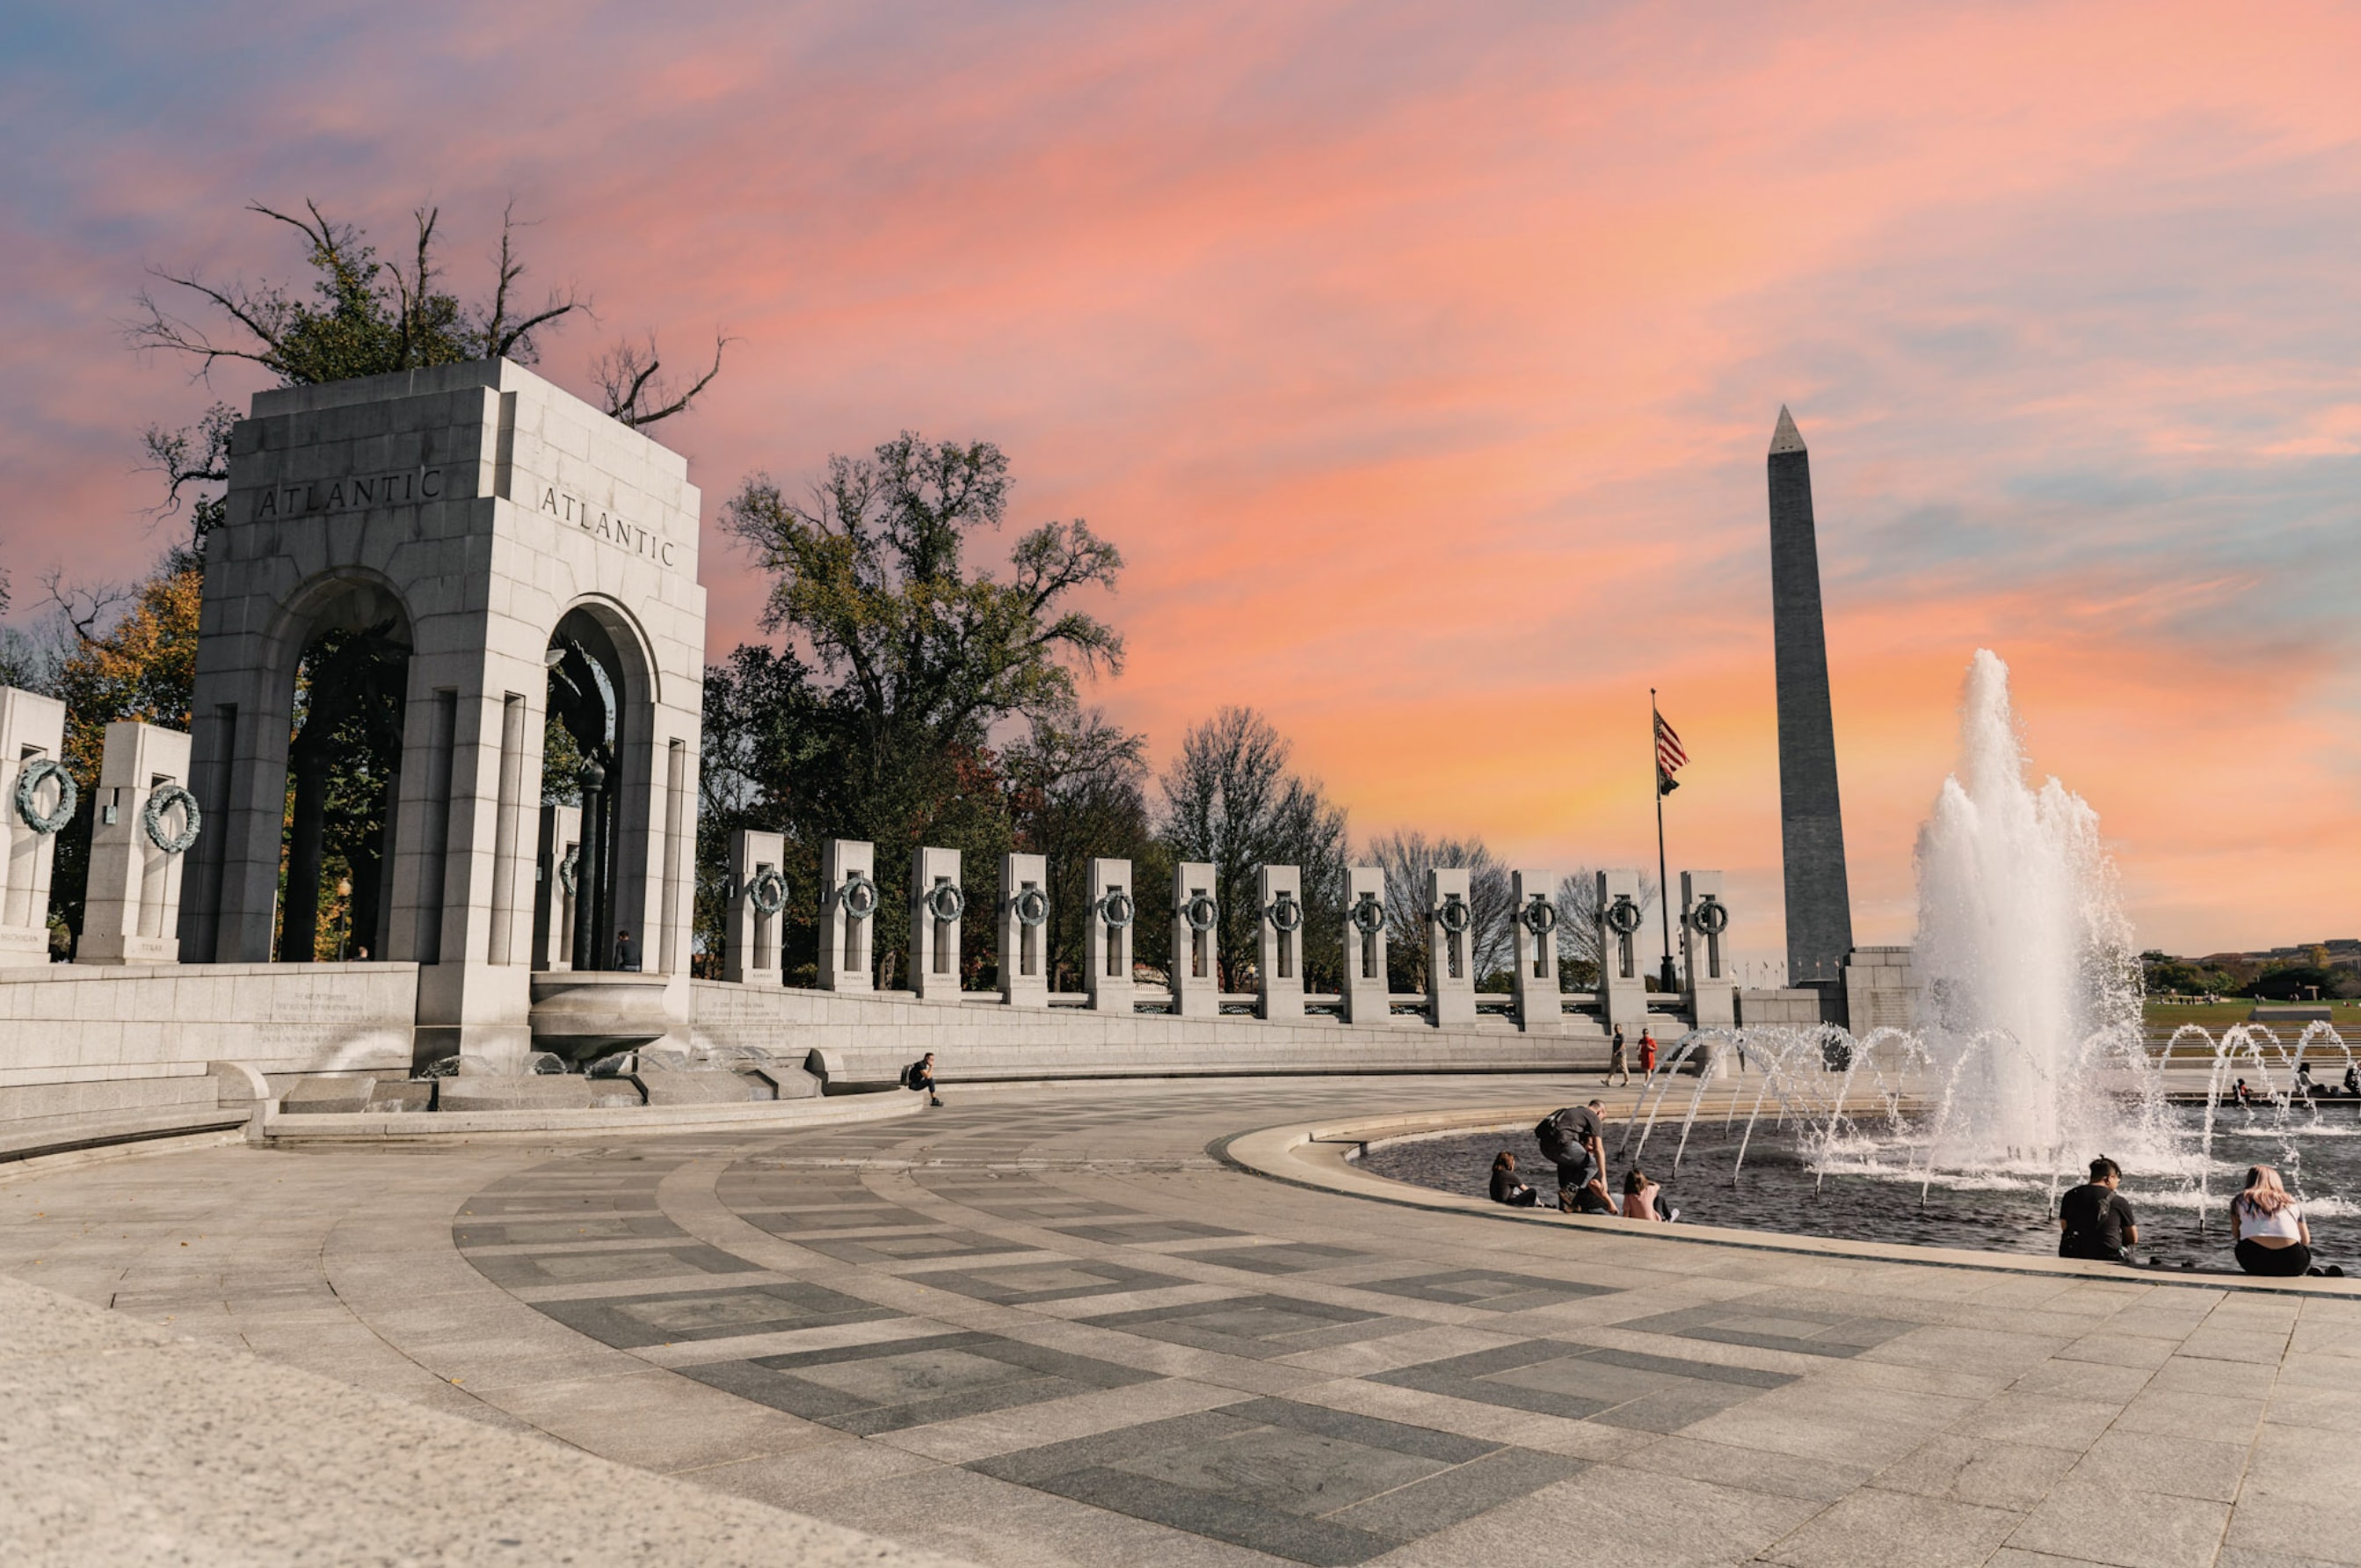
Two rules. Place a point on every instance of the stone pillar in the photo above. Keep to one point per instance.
(1367, 993)
(1705, 963)
(1450, 949)
(848, 915)
(758, 902)
(32, 728)
(1534, 932)
(937, 904)
(1881, 989)
(1278, 962)
(1196, 942)
(1106, 945)
(132, 912)
(557, 861)
(1622, 991)
(1025, 930)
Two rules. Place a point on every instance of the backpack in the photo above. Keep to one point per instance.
(1553, 1137)
(911, 1071)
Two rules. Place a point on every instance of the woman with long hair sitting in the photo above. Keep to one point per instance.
(2267, 1226)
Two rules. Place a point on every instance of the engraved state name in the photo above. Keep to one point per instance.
(600, 523)
(405, 487)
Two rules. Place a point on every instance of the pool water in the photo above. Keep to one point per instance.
(1870, 1193)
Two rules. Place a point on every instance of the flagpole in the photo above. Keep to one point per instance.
(1663, 878)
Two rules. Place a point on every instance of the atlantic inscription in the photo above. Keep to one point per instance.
(405, 487)
(600, 523)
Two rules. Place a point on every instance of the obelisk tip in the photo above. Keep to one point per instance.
(1785, 438)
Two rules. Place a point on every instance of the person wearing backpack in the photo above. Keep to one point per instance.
(1571, 1139)
(920, 1076)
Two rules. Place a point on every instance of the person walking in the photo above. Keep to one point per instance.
(2267, 1230)
(1619, 1063)
(2094, 1220)
(1647, 1056)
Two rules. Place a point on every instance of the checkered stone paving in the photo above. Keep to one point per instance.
(872, 1389)
(1296, 1481)
(1052, 1326)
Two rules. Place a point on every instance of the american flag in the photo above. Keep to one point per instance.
(1669, 756)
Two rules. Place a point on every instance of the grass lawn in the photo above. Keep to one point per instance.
(2214, 1015)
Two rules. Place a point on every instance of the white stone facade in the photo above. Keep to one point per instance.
(1622, 988)
(32, 728)
(934, 893)
(752, 933)
(848, 926)
(131, 912)
(1450, 950)
(1106, 940)
(465, 511)
(1024, 929)
(1196, 975)
(1704, 938)
(1279, 926)
(1368, 995)
(1532, 928)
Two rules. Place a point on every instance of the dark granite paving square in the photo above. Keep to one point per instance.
(511, 1270)
(586, 1228)
(1488, 1288)
(872, 1389)
(1781, 1328)
(1298, 1481)
(1280, 1258)
(1144, 1232)
(1261, 1327)
(912, 1246)
(1615, 1387)
(1061, 1279)
(628, 1322)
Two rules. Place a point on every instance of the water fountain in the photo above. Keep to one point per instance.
(2028, 1057)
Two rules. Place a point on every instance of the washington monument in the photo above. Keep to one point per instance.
(1811, 824)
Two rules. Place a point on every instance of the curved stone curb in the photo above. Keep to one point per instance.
(279, 1128)
(1318, 1155)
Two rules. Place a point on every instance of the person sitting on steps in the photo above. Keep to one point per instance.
(1507, 1189)
(920, 1076)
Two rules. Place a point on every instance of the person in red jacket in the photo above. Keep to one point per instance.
(1647, 1055)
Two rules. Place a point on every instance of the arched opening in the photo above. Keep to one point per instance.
(598, 693)
(344, 767)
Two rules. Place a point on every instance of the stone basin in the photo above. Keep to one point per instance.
(586, 1013)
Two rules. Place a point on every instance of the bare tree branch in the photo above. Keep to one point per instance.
(636, 393)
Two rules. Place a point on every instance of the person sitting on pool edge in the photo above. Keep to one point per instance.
(2267, 1228)
(1507, 1189)
(2094, 1221)
(1644, 1199)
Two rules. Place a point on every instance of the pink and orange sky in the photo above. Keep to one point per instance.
(1422, 359)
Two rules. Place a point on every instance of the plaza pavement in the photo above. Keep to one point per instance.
(1048, 1326)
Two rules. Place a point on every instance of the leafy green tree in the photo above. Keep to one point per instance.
(882, 731)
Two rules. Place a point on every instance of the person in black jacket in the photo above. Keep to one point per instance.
(1507, 1189)
(920, 1076)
